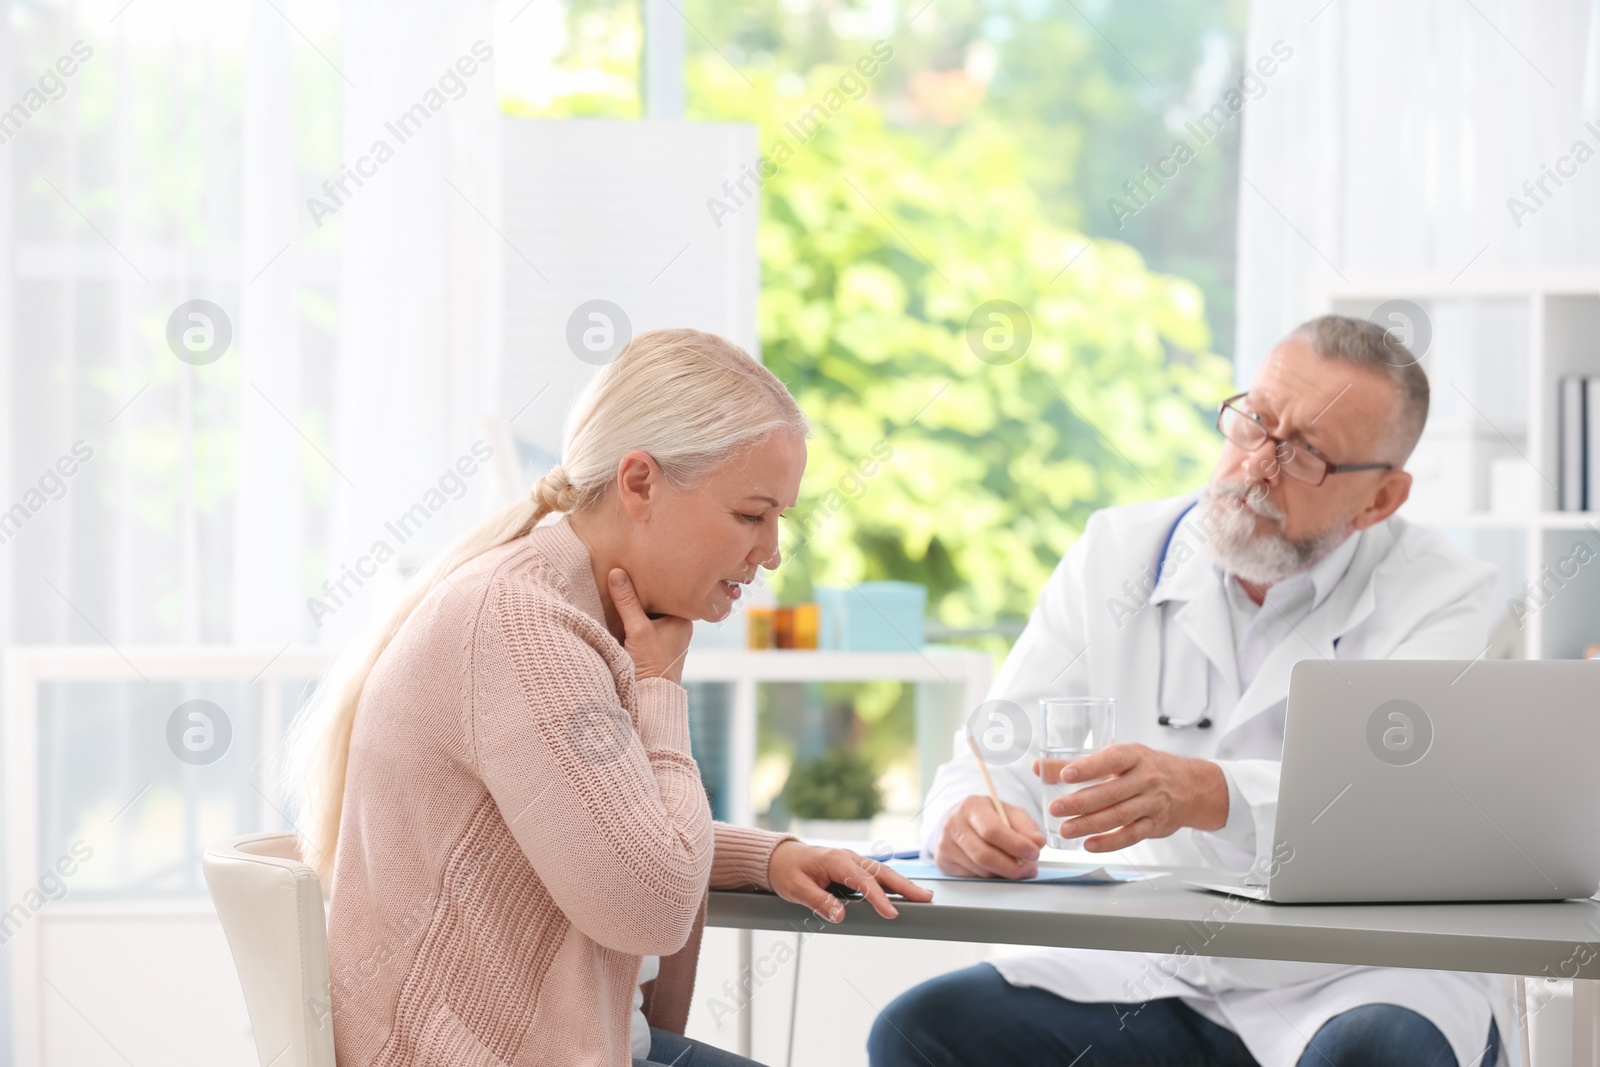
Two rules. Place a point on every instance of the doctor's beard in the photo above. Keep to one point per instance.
(1260, 558)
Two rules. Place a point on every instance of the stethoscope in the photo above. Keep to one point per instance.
(1201, 721)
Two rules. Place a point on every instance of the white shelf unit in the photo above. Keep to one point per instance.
(951, 682)
(1500, 344)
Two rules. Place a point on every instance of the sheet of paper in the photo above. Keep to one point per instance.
(1076, 874)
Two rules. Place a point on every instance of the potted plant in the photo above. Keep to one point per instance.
(834, 796)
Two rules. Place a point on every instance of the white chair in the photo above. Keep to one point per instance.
(270, 904)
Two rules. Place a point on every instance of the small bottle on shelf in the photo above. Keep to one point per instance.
(783, 627)
(807, 625)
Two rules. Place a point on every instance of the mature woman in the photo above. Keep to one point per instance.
(520, 829)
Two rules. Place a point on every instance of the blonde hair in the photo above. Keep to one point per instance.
(689, 399)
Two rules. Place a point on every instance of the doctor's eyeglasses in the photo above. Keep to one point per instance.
(1296, 459)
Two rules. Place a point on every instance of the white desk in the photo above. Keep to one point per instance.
(1549, 939)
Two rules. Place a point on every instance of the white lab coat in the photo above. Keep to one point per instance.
(1097, 631)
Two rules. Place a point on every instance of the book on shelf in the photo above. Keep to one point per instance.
(1572, 442)
(1591, 453)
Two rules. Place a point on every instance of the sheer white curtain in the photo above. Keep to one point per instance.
(1392, 139)
(170, 169)
(177, 164)
(419, 345)
(273, 505)
(208, 499)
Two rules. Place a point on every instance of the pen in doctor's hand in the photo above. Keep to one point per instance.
(984, 838)
(988, 782)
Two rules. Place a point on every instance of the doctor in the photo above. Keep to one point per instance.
(1191, 613)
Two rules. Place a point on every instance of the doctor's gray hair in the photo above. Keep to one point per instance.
(1368, 345)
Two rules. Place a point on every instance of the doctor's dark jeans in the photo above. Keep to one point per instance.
(973, 1017)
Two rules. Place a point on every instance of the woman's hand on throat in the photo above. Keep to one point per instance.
(657, 646)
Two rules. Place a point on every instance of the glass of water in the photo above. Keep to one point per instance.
(1070, 728)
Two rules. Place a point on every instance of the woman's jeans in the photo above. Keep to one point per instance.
(674, 1050)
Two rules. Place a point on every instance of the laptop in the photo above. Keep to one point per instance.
(1435, 780)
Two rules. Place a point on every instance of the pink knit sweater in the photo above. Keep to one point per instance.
(522, 822)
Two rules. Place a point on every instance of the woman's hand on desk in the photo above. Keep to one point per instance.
(656, 646)
(801, 873)
(976, 844)
(1145, 793)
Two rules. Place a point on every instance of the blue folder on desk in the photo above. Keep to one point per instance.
(1053, 874)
